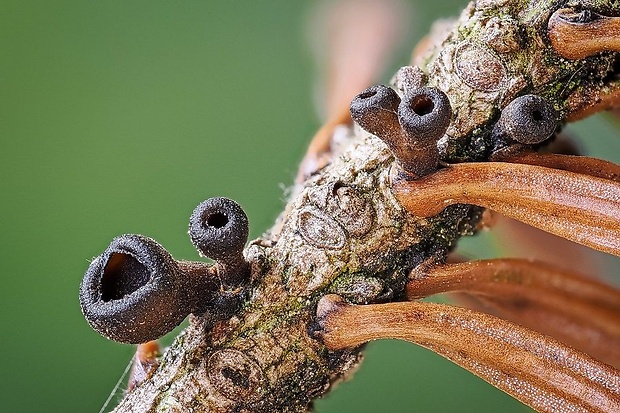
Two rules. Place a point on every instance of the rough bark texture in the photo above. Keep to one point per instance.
(343, 232)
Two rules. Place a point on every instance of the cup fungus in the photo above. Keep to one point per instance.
(528, 119)
(410, 127)
(425, 114)
(136, 292)
(219, 230)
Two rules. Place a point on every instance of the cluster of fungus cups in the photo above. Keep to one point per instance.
(410, 126)
(135, 291)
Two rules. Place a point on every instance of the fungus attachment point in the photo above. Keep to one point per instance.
(528, 119)
(410, 127)
(136, 292)
(219, 229)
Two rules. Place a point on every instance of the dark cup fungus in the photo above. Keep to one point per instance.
(528, 119)
(375, 110)
(136, 292)
(410, 127)
(425, 114)
(219, 230)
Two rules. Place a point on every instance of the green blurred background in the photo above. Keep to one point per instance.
(119, 117)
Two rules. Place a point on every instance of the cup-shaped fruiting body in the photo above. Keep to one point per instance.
(528, 119)
(375, 110)
(424, 114)
(410, 127)
(219, 229)
(136, 292)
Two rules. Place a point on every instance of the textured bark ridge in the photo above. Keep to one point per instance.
(500, 49)
(343, 231)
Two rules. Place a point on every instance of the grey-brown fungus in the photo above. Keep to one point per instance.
(136, 292)
(528, 119)
(219, 229)
(375, 110)
(410, 127)
(424, 115)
